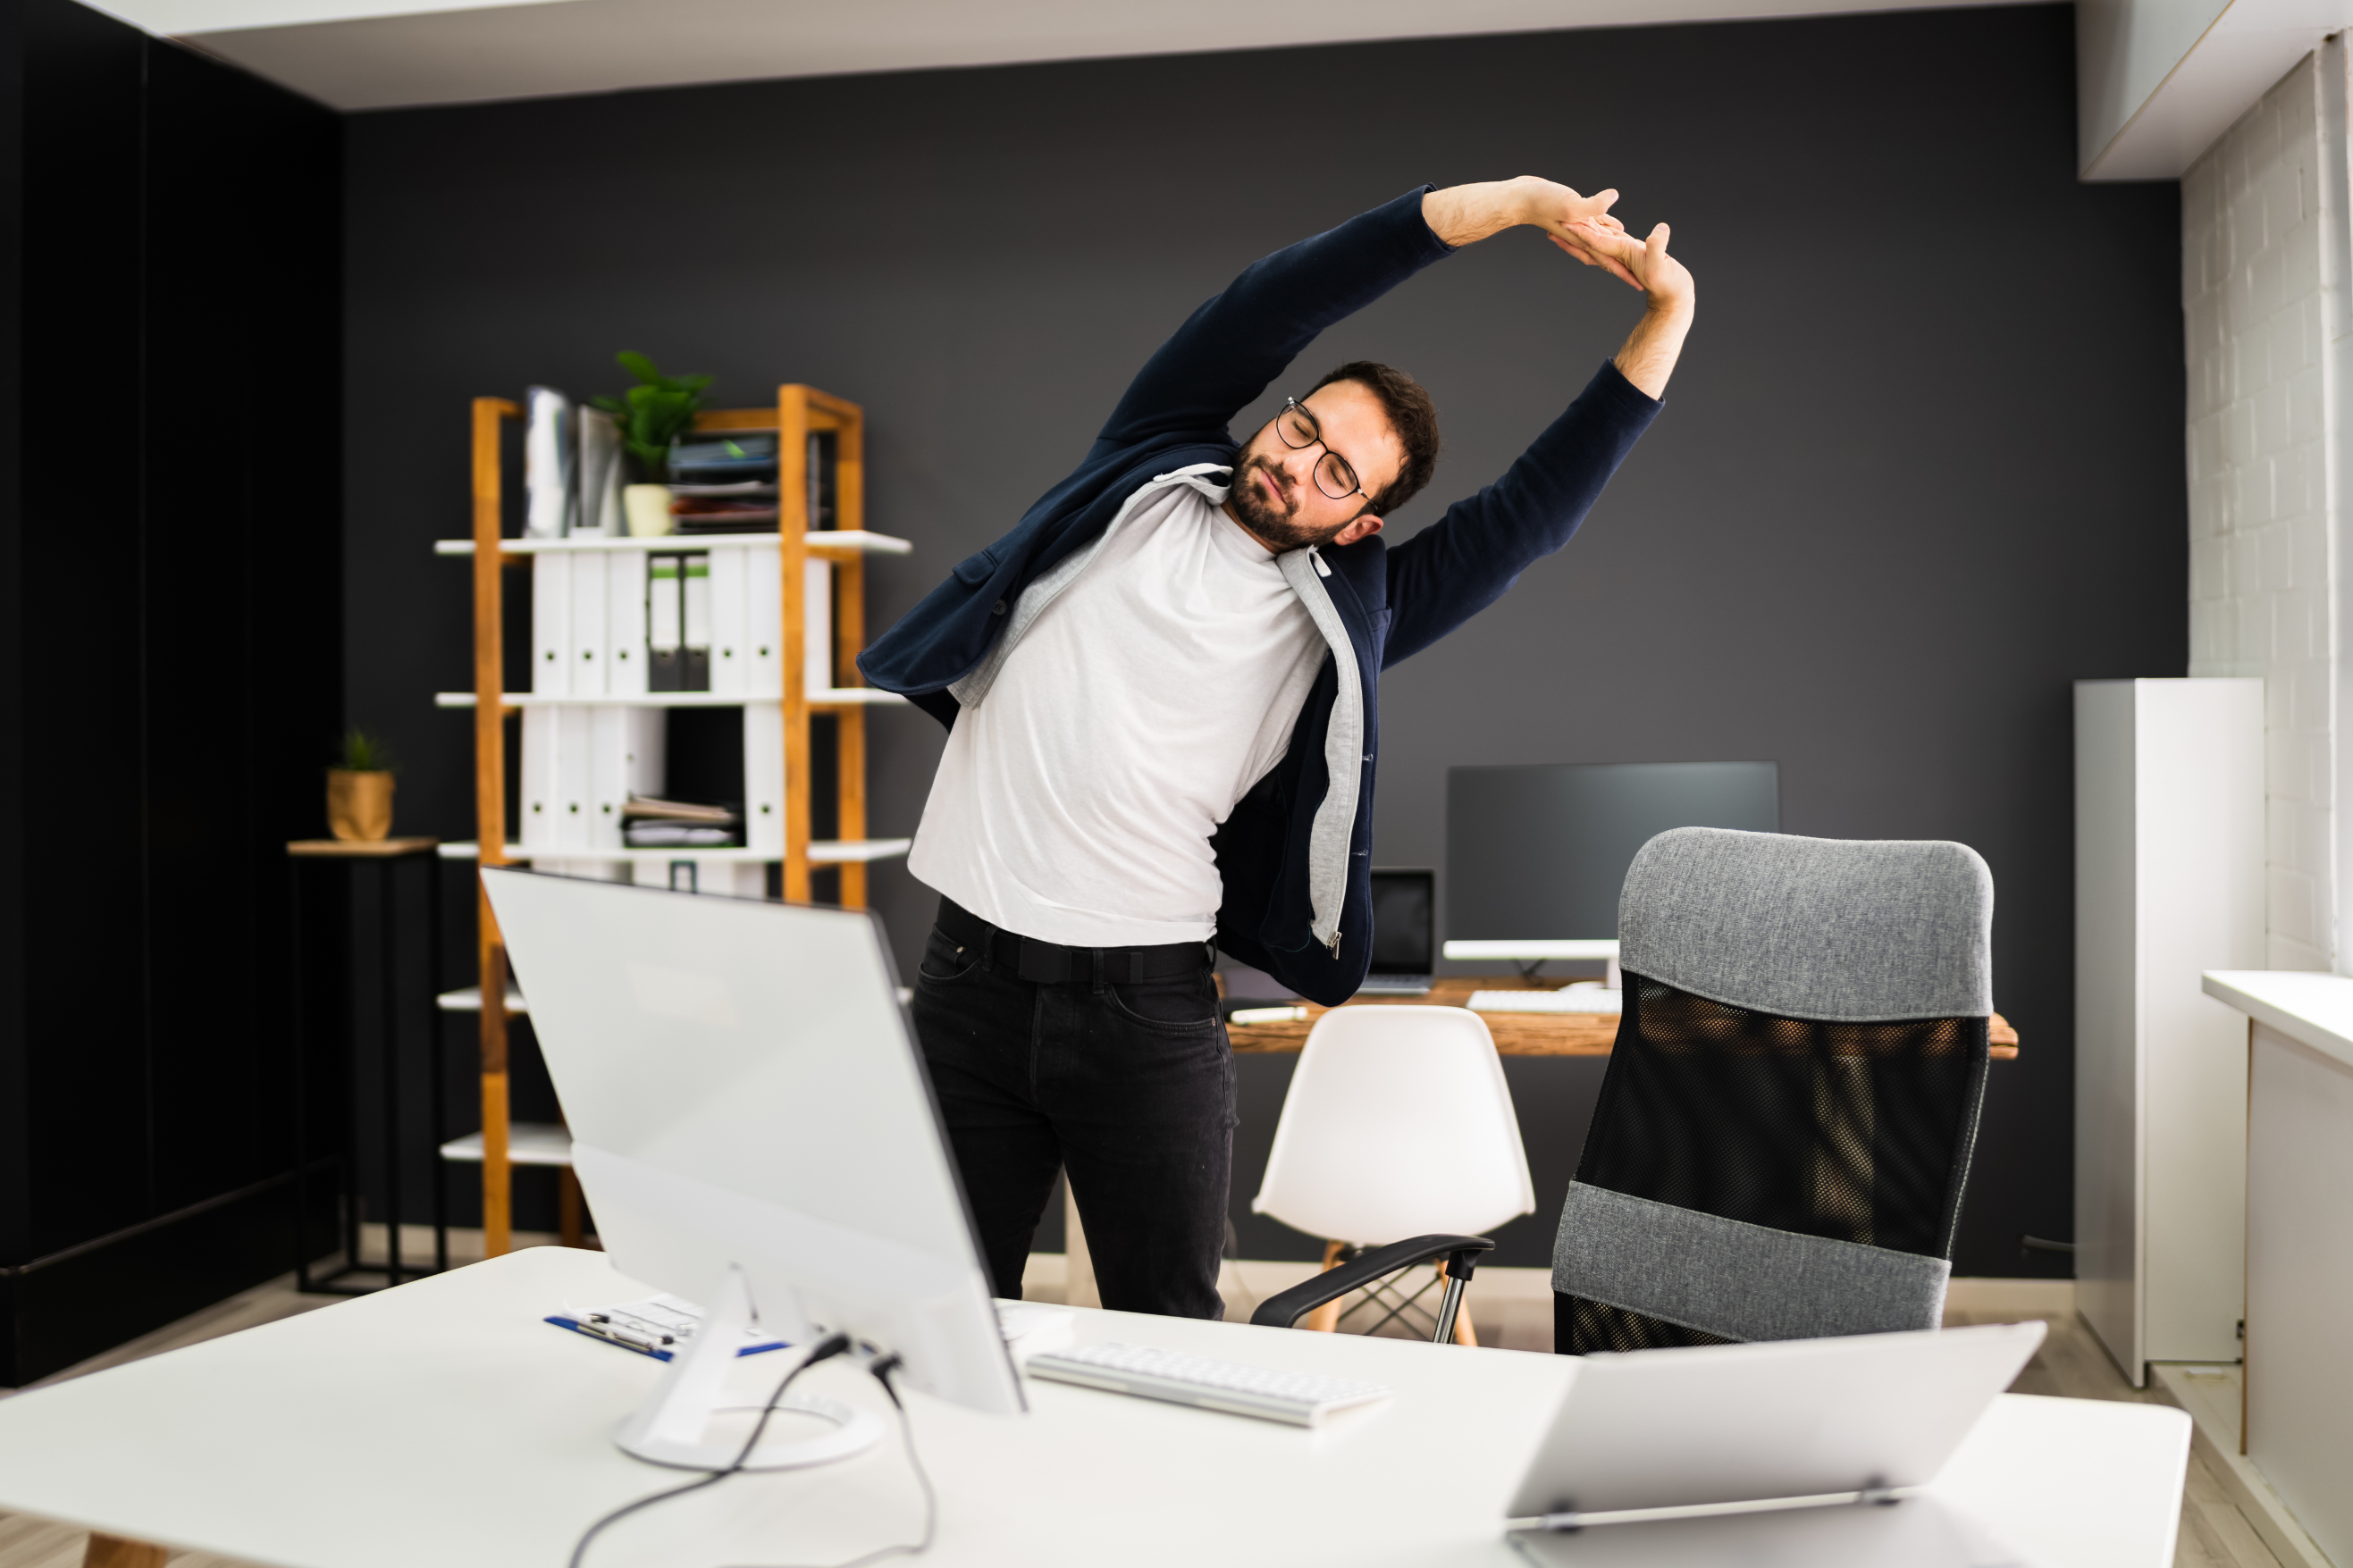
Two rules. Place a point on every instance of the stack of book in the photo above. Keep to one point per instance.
(651, 824)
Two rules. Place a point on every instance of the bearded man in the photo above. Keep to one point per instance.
(1162, 690)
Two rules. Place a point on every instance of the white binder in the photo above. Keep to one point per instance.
(695, 597)
(538, 802)
(763, 778)
(732, 878)
(816, 627)
(627, 649)
(627, 759)
(590, 609)
(764, 619)
(551, 624)
(730, 640)
(548, 476)
(598, 461)
(574, 808)
(665, 656)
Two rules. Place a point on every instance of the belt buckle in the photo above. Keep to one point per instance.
(1043, 963)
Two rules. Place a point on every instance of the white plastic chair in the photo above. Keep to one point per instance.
(1398, 1123)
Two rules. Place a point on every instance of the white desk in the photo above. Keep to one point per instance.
(2300, 1067)
(443, 1422)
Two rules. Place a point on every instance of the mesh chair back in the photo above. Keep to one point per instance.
(1785, 1128)
(1398, 1123)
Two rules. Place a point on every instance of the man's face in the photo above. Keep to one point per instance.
(1275, 491)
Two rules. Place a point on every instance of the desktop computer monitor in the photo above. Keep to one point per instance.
(1541, 852)
(749, 1113)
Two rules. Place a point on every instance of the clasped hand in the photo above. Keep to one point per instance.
(1580, 225)
(1583, 226)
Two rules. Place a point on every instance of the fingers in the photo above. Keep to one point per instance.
(1593, 206)
(1598, 255)
(1579, 251)
(1612, 242)
(1589, 232)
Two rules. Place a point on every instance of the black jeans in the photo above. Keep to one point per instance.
(1129, 1087)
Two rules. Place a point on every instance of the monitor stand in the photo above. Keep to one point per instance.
(673, 1427)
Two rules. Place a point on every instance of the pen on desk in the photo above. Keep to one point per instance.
(597, 1326)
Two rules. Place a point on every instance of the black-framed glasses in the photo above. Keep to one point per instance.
(1299, 431)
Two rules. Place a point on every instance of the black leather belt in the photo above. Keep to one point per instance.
(1051, 963)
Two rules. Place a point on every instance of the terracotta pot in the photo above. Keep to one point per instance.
(359, 805)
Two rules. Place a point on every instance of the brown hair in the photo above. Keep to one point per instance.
(1411, 414)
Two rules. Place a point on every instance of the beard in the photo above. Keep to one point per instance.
(1276, 525)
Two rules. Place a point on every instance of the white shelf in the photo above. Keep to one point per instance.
(859, 540)
(823, 852)
(528, 1143)
(470, 1000)
(822, 697)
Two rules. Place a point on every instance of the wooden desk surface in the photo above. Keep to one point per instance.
(1516, 1034)
(359, 849)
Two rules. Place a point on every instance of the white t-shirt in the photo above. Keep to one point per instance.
(1075, 803)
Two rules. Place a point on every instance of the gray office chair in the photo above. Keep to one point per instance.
(1785, 1128)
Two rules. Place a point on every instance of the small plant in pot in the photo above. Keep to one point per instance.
(651, 415)
(359, 790)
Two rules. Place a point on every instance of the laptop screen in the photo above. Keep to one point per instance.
(1403, 943)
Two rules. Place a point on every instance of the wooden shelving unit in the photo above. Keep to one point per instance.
(798, 412)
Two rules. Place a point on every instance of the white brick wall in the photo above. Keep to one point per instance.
(2253, 264)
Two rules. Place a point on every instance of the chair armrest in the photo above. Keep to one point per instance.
(1461, 1252)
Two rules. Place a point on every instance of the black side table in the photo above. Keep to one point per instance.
(385, 855)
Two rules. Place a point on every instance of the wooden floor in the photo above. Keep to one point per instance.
(1513, 1312)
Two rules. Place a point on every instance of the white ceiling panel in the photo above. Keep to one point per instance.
(370, 54)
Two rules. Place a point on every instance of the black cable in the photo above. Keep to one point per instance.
(881, 1370)
(824, 1349)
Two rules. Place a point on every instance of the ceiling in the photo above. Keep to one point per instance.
(384, 54)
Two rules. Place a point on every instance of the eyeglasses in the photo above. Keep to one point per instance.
(1299, 431)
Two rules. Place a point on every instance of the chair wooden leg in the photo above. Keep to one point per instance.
(1326, 1319)
(568, 1207)
(113, 1552)
(1464, 1335)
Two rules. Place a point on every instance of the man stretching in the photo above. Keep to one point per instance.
(1162, 692)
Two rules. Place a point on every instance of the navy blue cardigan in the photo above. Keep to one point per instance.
(1393, 603)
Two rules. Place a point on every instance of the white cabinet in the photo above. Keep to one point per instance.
(2169, 883)
(2299, 1381)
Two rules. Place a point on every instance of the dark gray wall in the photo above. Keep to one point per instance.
(170, 668)
(1921, 469)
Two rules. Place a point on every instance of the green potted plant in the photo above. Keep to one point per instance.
(651, 415)
(359, 789)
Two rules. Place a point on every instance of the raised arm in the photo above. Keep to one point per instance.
(1468, 557)
(1230, 348)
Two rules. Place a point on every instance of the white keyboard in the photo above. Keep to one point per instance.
(1395, 985)
(1577, 999)
(1300, 1398)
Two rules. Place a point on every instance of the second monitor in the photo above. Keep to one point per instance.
(1540, 852)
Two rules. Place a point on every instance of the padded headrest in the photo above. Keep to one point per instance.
(1855, 930)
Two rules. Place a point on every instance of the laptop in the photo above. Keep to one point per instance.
(1690, 1436)
(1404, 940)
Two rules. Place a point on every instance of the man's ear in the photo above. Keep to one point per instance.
(1364, 527)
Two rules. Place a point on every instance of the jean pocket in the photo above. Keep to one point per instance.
(944, 960)
(1185, 1004)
